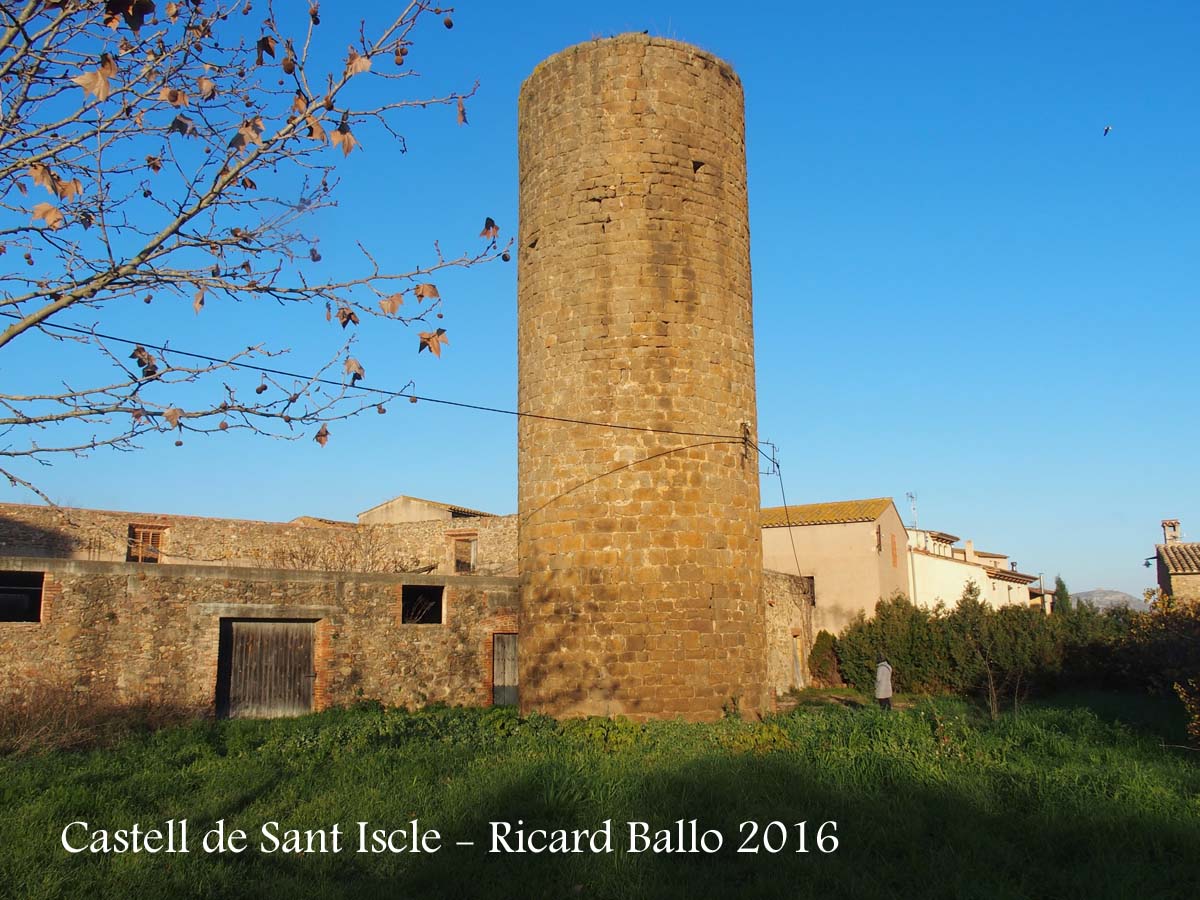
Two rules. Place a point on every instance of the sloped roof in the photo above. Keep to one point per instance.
(836, 513)
(1180, 558)
(318, 521)
(458, 510)
(1009, 575)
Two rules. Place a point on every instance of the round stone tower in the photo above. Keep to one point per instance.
(639, 546)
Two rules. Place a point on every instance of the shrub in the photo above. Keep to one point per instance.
(823, 661)
(998, 656)
(48, 717)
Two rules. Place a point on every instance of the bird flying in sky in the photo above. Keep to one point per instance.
(1107, 129)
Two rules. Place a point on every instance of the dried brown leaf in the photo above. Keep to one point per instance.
(154, 163)
(175, 97)
(68, 190)
(354, 369)
(433, 340)
(490, 229)
(173, 12)
(462, 112)
(145, 361)
(426, 291)
(172, 416)
(207, 87)
(50, 214)
(322, 436)
(198, 301)
(391, 305)
(250, 132)
(42, 176)
(315, 131)
(183, 125)
(132, 12)
(342, 137)
(96, 83)
(266, 44)
(346, 316)
(356, 64)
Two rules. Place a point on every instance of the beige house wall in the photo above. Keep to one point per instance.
(853, 565)
(945, 578)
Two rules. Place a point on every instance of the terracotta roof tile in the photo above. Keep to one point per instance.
(836, 513)
(1181, 558)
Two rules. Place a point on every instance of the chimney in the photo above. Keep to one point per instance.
(1170, 531)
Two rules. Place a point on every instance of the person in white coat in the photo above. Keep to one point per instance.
(883, 683)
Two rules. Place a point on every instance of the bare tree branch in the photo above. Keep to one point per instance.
(180, 151)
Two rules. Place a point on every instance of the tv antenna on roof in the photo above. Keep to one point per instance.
(912, 503)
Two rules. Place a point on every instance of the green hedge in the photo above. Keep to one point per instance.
(999, 655)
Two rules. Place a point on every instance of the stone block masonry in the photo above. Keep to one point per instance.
(313, 544)
(127, 633)
(639, 551)
(789, 600)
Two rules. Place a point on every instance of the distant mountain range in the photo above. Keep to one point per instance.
(1102, 599)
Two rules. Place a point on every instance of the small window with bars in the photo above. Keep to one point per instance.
(145, 543)
(464, 555)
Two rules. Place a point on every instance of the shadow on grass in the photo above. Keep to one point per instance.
(897, 836)
(1163, 717)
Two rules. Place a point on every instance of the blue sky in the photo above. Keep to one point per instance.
(961, 288)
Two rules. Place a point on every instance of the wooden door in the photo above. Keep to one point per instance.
(265, 668)
(504, 670)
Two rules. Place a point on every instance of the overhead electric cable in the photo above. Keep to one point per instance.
(312, 379)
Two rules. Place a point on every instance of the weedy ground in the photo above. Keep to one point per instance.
(1088, 796)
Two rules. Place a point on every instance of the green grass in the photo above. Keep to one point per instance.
(931, 801)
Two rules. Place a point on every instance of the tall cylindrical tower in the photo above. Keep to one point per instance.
(639, 546)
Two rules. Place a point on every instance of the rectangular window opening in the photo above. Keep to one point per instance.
(21, 596)
(145, 543)
(464, 555)
(421, 604)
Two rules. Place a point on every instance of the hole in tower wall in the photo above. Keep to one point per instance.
(697, 165)
(533, 244)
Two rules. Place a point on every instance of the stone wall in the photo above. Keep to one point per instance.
(103, 535)
(639, 550)
(789, 601)
(1185, 586)
(128, 633)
